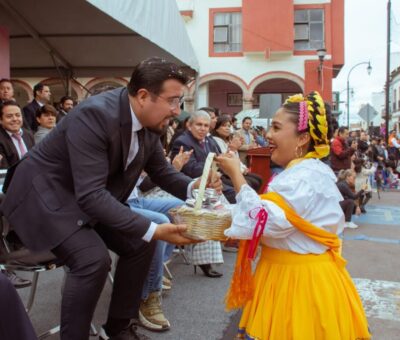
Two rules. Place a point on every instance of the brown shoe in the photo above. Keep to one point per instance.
(151, 315)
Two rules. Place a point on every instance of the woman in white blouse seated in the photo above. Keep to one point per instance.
(229, 142)
(300, 289)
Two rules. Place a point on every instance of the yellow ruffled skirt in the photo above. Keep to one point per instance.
(302, 297)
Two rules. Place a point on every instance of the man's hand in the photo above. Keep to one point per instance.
(358, 211)
(172, 233)
(181, 159)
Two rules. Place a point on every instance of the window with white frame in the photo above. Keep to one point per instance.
(309, 29)
(227, 35)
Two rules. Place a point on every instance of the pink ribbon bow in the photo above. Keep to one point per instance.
(262, 216)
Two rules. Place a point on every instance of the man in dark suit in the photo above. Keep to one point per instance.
(41, 96)
(68, 195)
(6, 90)
(15, 141)
(14, 321)
(196, 138)
(66, 105)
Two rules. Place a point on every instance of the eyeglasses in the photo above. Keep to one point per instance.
(174, 102)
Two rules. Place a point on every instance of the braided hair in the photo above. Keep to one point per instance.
(318, 121)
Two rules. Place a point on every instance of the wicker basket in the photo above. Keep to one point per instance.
(203, 224)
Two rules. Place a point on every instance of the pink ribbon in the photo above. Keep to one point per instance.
(303, 116)
(262, 217)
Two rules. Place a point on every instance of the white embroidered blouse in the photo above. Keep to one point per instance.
(310, 188)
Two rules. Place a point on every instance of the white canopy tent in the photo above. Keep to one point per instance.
(91, 38)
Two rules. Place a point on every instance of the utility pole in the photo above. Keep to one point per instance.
(387, 100)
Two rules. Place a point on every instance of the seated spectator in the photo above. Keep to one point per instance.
(197, 139)
(213, 113)
(46, 117)
(151, 315)
(173, 124)
(394, 146)
(363, 181)
(345, 184)
(66, 105)
(14, 322)
(6, 90)
(224, 139)
(41, 96)
(392, 178)
(340, 153)
(15, 141)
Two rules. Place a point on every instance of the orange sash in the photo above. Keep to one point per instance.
(242, 283)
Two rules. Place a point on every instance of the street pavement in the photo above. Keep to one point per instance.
(195, 304)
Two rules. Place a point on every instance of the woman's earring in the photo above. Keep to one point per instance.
(297, 153)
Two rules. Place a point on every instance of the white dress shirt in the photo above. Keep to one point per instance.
(309, 187)
(133, 150)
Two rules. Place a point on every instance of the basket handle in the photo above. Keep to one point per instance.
(203, 181)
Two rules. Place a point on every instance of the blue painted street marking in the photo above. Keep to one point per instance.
(370, 238)
(379, 214)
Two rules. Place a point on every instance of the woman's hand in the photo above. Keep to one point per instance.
(229, 164)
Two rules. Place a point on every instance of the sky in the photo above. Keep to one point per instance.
(365, 40)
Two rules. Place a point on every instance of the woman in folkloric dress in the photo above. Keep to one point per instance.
(300, 289)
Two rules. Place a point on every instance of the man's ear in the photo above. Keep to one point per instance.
(142, 95)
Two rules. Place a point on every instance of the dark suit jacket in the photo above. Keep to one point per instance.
(61, 114)
(76, 176)
(8, 149)
(194, 168)
(30, 115)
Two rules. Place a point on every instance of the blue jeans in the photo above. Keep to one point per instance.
(156, 210)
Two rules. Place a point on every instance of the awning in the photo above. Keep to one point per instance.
(93, 38)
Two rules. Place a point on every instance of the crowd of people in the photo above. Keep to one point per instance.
(363, 164)
(113, 183)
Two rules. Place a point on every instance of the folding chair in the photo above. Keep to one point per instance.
(14, 256)
(178, 251)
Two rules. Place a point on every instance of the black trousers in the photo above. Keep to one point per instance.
(14, 322)
(364, 198)
(348, 206)
(85, 253)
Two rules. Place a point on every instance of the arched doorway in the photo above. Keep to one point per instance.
(22, 92)
(281, 86)
(225, 95)
(98, 85)
(224, 91)
(277, 87)
(57, 89)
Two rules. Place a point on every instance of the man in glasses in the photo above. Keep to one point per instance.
(68, 195)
